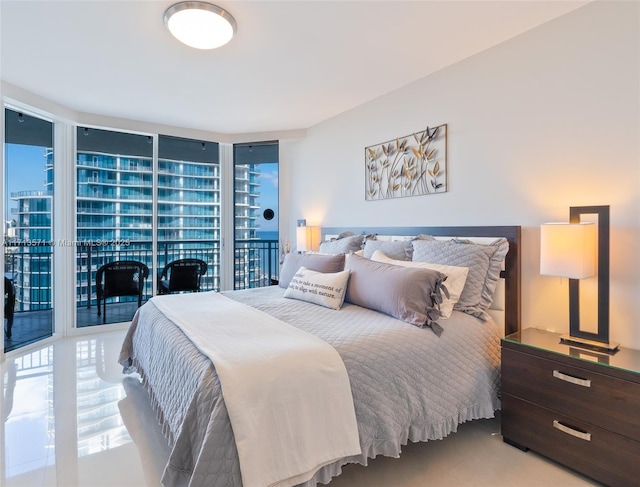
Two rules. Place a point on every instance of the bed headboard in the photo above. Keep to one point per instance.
(510, 274)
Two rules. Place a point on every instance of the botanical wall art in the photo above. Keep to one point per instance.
(412, 165)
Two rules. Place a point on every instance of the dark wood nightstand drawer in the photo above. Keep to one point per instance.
(609, 458)
(607, 402)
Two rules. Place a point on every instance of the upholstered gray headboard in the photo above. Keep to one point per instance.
(510, 274)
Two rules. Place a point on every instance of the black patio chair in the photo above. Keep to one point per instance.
(120, 278)
(181, 275)
(9, 304)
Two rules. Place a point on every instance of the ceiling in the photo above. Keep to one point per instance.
(291, 65)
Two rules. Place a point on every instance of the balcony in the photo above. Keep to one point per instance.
(29, 264)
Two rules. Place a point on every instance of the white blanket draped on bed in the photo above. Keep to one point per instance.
(287, 392)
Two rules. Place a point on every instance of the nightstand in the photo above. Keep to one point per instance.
(577, 407)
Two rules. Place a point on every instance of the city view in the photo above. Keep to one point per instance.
(118, 208)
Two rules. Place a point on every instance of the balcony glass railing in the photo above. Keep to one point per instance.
(29, 266)
(263, 265)
(27, 263)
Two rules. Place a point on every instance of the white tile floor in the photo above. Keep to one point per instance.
(70, 418)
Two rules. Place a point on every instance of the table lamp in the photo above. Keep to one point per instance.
(578, 250)
(307, 238)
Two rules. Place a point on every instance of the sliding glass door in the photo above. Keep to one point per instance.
(114, 216)
(189, 206)
(28, 246)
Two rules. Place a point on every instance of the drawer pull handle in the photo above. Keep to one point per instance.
(570, 431)
(573, 380)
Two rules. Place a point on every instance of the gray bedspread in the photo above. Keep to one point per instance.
(407, 383)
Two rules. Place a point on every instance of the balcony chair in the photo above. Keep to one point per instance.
(181, 275)
(9, 303)
(121, 278)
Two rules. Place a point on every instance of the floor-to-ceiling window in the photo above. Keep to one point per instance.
(28, 246)
(114, 216)
(138, 196)
(256, 214)
(189, 205)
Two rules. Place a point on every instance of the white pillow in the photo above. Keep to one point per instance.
(325, 289)
(456, 277)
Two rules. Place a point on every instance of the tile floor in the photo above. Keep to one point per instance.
(70, 418)
(31, 326)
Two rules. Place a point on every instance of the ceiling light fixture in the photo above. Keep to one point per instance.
(200, 24)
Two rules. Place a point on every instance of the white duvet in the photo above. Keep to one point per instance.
(287, 392)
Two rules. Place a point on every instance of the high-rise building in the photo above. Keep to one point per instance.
(29, 247)
(247, 259)
(114, 214)
(115, 208)
(114, 221)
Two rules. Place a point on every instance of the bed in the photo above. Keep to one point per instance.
(406, 383)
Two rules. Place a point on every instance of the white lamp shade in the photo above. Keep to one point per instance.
(568, 250)
(307, 239)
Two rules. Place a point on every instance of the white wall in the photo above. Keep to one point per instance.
(545, 121)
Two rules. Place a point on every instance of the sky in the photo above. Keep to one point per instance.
(268, 196)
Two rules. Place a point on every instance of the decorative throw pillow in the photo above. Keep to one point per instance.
(344, 245)
(484, 263)
(409, 294)
(456, 277)
(314, 262)
(396, 249)
(325, 289)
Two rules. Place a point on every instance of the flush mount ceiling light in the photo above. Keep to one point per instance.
(200, 25)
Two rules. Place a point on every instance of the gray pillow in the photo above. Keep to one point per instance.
(484, 263)
(398, 250)
(409, 294)
(314, 262)
(345, 245)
